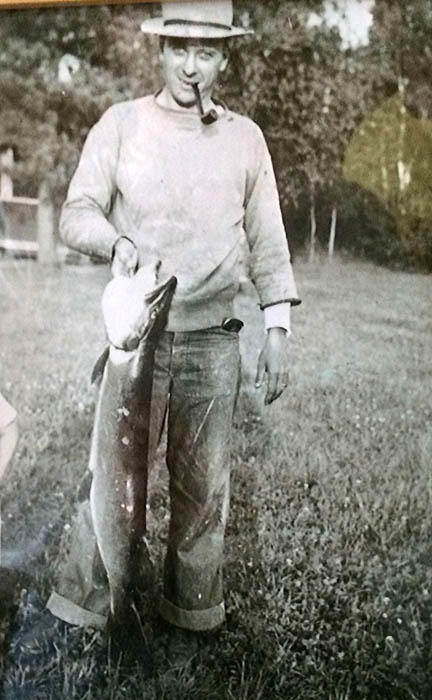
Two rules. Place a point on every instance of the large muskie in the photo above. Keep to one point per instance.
(120, 444)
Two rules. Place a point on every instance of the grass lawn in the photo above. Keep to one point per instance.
(329, 549)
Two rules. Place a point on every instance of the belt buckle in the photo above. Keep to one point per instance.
(233, 325)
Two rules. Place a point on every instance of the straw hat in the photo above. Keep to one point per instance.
(196, 19)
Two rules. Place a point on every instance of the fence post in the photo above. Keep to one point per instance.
(47, 252)
(6, 164)
(332, 237)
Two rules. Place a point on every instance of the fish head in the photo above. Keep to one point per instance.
(136, 308)
(157, 303)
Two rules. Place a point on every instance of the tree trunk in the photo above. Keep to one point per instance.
(332, 236)
(312, 229)
(401, 141)
(47, 253)
(6, 165)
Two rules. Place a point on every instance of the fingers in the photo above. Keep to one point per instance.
(122, 266)
(273, 363)
(272, 389)
(277, 383)
(260, 371)
(125, 261)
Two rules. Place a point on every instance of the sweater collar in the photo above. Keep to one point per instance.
(185, 118)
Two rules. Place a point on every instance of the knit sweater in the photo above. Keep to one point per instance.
(187, 194)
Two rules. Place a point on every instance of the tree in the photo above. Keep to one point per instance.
(46, 120)
(308, 93)
(390, 153)
(297, 78)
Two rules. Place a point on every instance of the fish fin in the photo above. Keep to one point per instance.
(99, 365)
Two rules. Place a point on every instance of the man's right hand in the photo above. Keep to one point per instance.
(125, 258)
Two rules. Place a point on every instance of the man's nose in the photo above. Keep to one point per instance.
(189, 66)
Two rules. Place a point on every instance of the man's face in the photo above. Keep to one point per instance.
(188, 61)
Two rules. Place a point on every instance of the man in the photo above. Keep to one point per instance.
(178, 177)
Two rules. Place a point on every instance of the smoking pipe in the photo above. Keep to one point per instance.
(209, 117)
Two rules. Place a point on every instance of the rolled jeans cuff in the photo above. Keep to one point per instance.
(74, 614)
(196, 620)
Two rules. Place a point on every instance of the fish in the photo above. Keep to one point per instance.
(135, 312)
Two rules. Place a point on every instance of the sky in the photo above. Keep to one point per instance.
(353, 18)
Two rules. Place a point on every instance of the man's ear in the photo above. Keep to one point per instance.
(226, 50)
(224, 63)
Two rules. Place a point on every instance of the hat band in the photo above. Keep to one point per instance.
(195, 23)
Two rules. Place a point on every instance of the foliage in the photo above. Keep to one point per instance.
(309, 96)
(47, 120)
(389, 155)
(307, 91)
(365, 227)
(312, 100)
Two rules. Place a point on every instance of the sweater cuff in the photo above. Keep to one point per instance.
(278, 316)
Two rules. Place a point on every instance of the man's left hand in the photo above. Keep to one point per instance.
(273, 361)
(125, 258)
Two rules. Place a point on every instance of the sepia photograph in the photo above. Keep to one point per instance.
(215, 350)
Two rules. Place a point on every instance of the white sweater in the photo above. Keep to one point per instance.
(186, 194)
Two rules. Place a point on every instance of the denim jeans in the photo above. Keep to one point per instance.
(195, 385)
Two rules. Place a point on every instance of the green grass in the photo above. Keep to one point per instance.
(328, 552)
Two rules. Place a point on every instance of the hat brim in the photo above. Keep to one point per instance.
(156, 25)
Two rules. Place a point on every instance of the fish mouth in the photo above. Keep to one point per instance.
(161, 293)
(159, 303)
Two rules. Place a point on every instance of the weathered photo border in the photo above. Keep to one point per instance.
(374, 390)
(23, 4)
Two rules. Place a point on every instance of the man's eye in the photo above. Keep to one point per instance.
(206, 55)
(179, 51)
